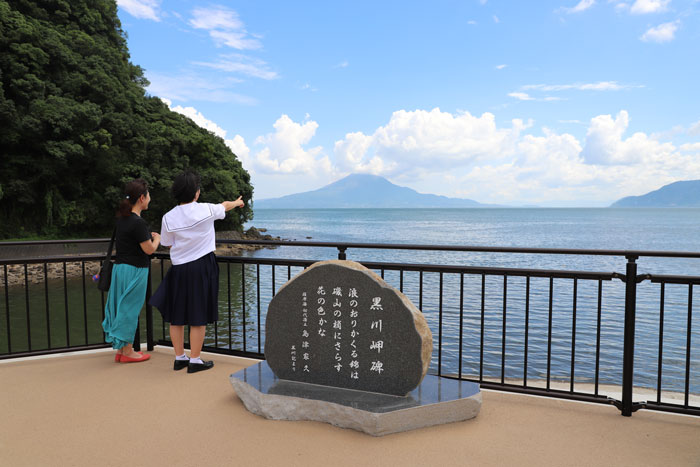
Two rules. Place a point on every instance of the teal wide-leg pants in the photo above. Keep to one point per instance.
(125, 299)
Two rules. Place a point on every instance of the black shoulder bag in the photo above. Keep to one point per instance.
(105, 279)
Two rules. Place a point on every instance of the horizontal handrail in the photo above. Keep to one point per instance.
(407, 246)
(471, 248)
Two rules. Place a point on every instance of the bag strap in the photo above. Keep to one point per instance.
(111, 244)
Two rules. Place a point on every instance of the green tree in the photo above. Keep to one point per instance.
(76, 124)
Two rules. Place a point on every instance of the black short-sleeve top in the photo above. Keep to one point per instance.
(131, 231)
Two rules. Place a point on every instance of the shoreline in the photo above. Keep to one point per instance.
(35, 272)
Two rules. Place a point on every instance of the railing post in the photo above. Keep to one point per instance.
(627, 406)
(149, 311)
(341, 252)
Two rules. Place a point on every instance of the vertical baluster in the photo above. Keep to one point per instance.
(483, 318)
(228, 282)
(149, 311)
(597, 338)
(420, 291)
(162, 275)
(549, 332)
(65, 299)
(289, 272)
(401, 280)
(216, 323)
(257, 285)
(46, 298)
(440, 330)
(661, 342)
(573, 337)
(273, 280)
(26, 298)
(7, 310)
(687, 345)
(503, 336)
(85, 305)
(627, 404)
(243, 304)
(527, 327)
(461, 320)
(102, 301)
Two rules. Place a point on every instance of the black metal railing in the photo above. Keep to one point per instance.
(550, 332)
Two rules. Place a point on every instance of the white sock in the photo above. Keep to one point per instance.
(181, 357)
(196, 360)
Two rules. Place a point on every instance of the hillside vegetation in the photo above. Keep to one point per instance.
(76, 124)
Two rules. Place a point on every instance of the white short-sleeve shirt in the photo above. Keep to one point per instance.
(188, 230)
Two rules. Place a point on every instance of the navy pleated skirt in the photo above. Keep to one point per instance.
(189, 293)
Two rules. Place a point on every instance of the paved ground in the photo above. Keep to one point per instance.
(85, 410)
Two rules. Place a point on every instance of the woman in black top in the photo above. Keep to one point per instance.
(127, 291)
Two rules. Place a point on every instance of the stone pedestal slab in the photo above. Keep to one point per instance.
(435, 401)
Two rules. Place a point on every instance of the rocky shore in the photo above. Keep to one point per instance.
(35, 272)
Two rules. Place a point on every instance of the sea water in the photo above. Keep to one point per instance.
(596, 228)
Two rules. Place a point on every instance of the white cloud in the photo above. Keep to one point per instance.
(500, 67)
(350, 155)
(649, 6)
(308, 87)
(343, 64)
(224, 26)
(215, 18)
(599, 86)
(237, 144)
(143, 9)
(523, 96)
(495, 19)
(694, 128)
(426, 140)
(242, 151)
(242, 64)
(694, 147)
(583, 5)
(605, 145)
(662, 33)
(190, 87)
(472, 156)
(199, 119)
(283, 151)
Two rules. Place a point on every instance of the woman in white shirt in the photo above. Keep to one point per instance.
(189, 293)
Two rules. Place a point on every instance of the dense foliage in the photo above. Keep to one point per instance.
(76, 125)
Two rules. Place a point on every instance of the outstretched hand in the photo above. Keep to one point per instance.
(228, 205)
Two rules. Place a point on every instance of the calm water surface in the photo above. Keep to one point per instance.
(598, 228)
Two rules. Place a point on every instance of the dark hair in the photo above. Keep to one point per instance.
(185, 186)
(132, 191)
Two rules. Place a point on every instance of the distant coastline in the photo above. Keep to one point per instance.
(361, 191)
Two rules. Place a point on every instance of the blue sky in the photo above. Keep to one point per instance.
(554, 103)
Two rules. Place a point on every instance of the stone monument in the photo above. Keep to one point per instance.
(344, 347)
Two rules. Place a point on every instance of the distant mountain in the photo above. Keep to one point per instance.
(364, 191)
(679, 194)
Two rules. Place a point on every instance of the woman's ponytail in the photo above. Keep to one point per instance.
(132, 192)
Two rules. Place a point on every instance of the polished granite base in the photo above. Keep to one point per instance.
(434, 402)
